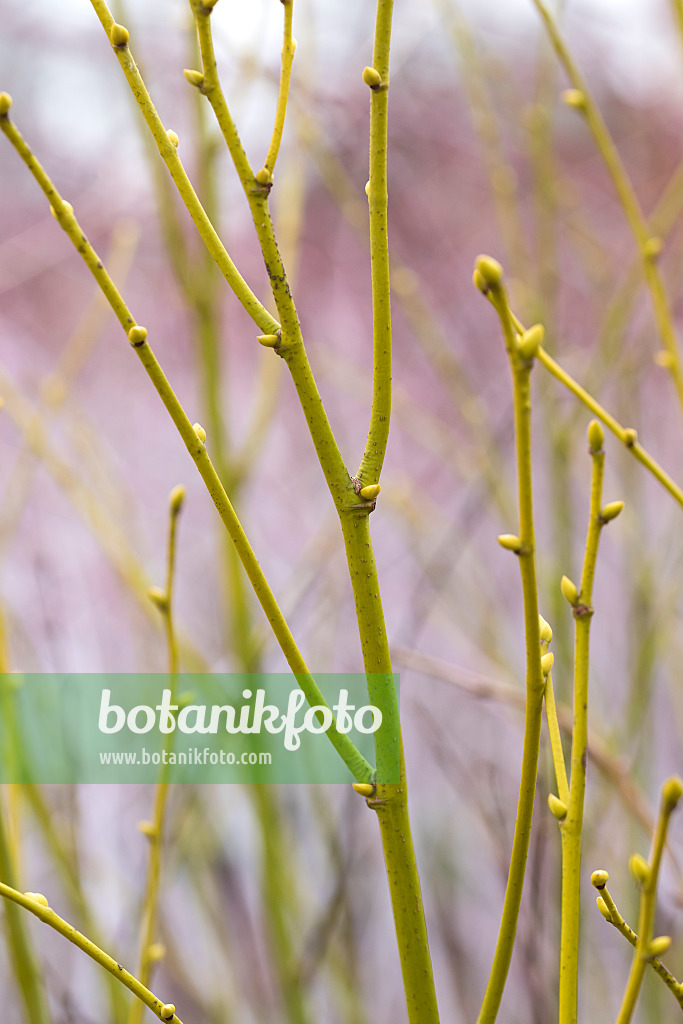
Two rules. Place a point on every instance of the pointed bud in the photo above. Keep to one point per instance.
(574, 98)
(137, 336)
(658, 947)
(510, 542)
(37, 897)
(5, 103)
(547, 663)
(600, 878)
(610, 511)
(167, 1011)
(195, 78)
(372, 77)
(158, 598)
(268, 340)
(369, 492)
(640, 869)
(199, 431)
(530, 342)
(558, 809)
(672, 790)
(147, 829)
(653, 248)
(570, 591)
(545, 630)
(119, 36)
(176, 499)
(630, 437)
(172, 137)
(603, 908)
(596, 436)
(365, 789)
(264, 177)
(367, 187)
(490, 271)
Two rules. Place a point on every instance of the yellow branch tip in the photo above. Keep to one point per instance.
(119, 36)
(558, 809)
(596, 436)
(372, 77)
(137, 336)
(147, 829)
(510, 542)
(600, 878)
(37, 897)
(195, 78)
(672, 790)
(657, 947)
(570, 591)
(176, 498)
(630, 437)
(545, 630)
(370, 492)
(603, 908)
(199, 431)
(574, 98)
(488, 273)
(5, 103)
(156, 952)
(365, 789)
(640, 869)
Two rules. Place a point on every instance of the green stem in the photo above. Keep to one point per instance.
(521, 376)
(288, 48)
(571, 826)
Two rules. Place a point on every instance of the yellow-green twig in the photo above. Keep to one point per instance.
(647, 246)
(164, 1011)
(288, 48)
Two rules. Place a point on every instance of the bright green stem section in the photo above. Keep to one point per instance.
(359, 767)
(169, 155)
(521, 375)
(646, 916)
(571, 826)
(19, 945)
(378, 201)
(48, 916)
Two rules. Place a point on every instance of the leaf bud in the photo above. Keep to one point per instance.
(596, 436)
(603, 908)
(531, 341)
(558, 809)
(172, 137)
(195, 78)
(653, 248)
(545, 630)
(640, 869)
(672, 790)
(665, 359)
(156, 952)
(630, 437)
(574, 98)
(657, 947)
(610, 511)
(365, 789)
(137, 336)
(510, 542)
(37, 897)
(367, 187)
(159, 598)
(199, 431)
(570, 591)
(268, 340)
(490, 272)
(167, 1011)
(600, 878)
(147, 829)
(264, 176)
(547, 663)
(66, 206)
(119, 36)
(5, 103)
(176, 498)
(372, 77)
(369, 492)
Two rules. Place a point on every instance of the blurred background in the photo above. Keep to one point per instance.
(274, 906)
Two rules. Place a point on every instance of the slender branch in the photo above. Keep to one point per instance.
(488, 277)
(554, 725)
(37, 905)
(288, 48)
(196, 447)
(648, 247)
